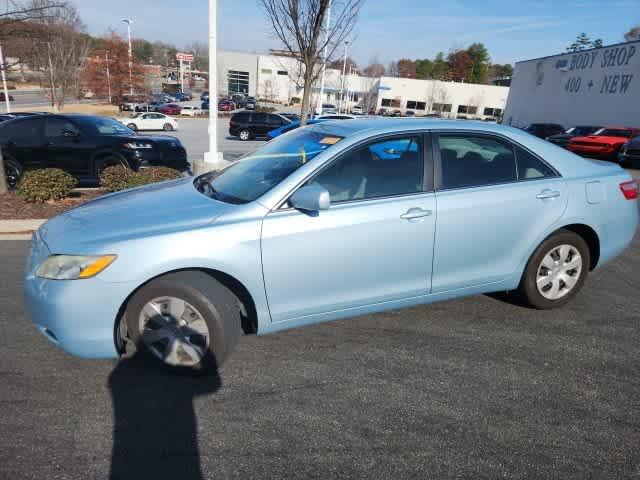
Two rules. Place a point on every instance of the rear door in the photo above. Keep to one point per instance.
(494, 199)
(23, 140)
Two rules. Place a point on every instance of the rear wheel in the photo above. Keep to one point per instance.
(556, 271)
(13, 172)
(244, 135)
(187, 321)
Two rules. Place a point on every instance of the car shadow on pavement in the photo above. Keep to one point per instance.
(155, 431)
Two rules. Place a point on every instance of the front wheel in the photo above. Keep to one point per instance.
(187, 321)
(556, 271)
(13, 173)
(167, 127)
(244, 135)
(133, 127)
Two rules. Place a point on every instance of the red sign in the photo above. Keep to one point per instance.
(185, 57)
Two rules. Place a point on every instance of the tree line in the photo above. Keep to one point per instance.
(471, 65)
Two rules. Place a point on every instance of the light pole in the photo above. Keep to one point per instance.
(213, 159)
(344, 67)
(7, 100)
(106, 57)
(324, 63)
(128, 21)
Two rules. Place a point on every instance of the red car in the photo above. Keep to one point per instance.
(604, 143)
(2, 97)
(226, 106)
(170, 109)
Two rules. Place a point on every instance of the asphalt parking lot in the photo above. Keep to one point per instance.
(473, 388)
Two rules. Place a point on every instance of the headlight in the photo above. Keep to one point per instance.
(73, 267)
(137, 145)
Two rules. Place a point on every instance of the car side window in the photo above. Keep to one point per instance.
(380, 169)
(26, 131)
(531, 167)
(58, 127)
(259, 118)
(274, 120)
(148, 116)
(469, 160)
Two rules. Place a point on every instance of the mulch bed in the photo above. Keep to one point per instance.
(12, 207)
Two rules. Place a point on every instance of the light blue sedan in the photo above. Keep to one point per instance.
(329, 221)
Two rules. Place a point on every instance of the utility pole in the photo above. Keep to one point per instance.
(213, 158)
(106, 57)
(324, 63)
(7, 102)
(344, 67)
(128, 21)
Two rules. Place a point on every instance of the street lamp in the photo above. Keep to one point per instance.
(344, 68)
(128, 21)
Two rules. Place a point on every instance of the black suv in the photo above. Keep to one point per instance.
(83, 146)
(544, 130)
(247, 125)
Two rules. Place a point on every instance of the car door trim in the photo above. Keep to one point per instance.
(427, 178)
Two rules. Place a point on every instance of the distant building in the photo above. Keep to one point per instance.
(279, 78)
(594, 87)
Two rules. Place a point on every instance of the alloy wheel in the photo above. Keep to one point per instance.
(174, 331)
(559, 272)
(12, 174)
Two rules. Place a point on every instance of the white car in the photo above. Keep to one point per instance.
(357, 110)
(150, 121)
(191, 111)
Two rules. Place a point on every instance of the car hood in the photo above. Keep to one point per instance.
(150, 138)
(149, 210)
(600, 139)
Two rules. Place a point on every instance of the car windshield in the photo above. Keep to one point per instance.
(256, 174)
(614, 132)
(104, 126)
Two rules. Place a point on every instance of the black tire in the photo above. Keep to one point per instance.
(133, 127)
(13, 172)
(244, 135)
(217, 305)
(109, 161)
(528, 290)
(167, 127)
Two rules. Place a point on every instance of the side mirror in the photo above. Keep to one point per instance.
(311, 198)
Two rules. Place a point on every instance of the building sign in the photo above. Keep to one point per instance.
(603, 70)
(184, 57)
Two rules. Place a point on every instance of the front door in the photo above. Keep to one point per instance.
(494, 198)
(373, 245)
(65, 147)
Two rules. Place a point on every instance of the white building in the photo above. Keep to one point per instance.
(279, 79)
(593, 87)
(448, 99)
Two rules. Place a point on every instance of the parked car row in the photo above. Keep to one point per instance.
(83, 146)
(618, 144)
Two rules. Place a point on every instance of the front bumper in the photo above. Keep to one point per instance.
(76, 315)
(629, 156)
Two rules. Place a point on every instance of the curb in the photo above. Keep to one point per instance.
(19, 229)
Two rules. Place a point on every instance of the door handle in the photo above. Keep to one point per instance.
(546, 194)
(414, 213)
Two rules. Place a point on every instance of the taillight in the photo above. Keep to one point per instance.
(629, 189)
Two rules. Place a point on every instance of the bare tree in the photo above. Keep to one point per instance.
(60, 48)
(16, 20)
(299, 25)
(633, 34)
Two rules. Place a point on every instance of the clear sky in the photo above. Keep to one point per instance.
(512, 30)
